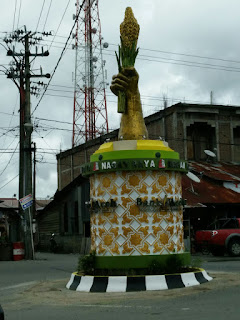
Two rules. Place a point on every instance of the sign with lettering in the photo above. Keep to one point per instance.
(26, 202)
(96, 204)
(163, 203)
(134, 164)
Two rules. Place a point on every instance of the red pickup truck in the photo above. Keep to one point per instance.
(222, 236)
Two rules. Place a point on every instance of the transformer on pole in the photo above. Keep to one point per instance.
(90, 109)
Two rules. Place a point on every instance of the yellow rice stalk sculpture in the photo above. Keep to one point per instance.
(127, 52)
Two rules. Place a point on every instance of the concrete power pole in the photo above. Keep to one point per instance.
(23, 73)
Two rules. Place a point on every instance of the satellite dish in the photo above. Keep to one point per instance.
(193, 177)
(210, 153)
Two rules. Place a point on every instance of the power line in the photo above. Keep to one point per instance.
(19, 12)
(166, 52)
(60, 23)
(14, 14)
(11, 120)
(183, 62)
(162, 51)
(175, 53)
(40, 15)
(47, 14)
(59, 58)
(189, 64)
(9, 182)
(10, 130)
(9, 160)
(8, 147)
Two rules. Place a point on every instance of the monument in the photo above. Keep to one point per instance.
(135, 183)
(136, 203)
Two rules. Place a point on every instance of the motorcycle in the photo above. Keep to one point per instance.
(53, 244)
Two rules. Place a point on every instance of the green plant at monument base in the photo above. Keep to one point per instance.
(135, 266)
(196, 263)
(86, 264)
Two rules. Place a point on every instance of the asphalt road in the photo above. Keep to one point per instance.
(220, 305)
(36, 290)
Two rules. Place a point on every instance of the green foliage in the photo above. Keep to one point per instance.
(174, 264)
(156, 267)
(125, 58)
(86, 264)
(4, 241)
(196, 263)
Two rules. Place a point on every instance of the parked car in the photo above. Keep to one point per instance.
(222, 236)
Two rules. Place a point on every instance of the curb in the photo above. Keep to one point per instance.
(138, 283)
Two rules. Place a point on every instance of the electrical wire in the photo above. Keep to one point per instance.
(47, 15)
(19, 12)
(14, 14)
(7, 132)
(59, 24)
(175, 53)
(59, 58)
(9, 182)
(1, 173)
(45, 141)
(10, 122)
(193, 64)
(40, 14)
(168, 52)
(160, 51)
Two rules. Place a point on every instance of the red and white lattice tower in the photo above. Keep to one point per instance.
(90, 108)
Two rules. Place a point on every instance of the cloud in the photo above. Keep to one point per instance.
(174, 35)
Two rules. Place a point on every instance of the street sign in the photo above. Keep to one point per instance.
(26, 201)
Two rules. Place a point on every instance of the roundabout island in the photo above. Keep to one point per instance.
(136, 205)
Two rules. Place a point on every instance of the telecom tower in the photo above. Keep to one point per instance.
(90, 109)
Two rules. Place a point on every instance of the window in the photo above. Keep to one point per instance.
(76, 218)
(87, 229)
(65, 218)
(236, 142)
(200, 136)
(228, 224)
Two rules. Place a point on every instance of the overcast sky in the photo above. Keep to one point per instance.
(187, 49)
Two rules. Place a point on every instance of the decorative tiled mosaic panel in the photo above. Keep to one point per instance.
(129, 229)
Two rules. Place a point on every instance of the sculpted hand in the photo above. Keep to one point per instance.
(126, 81)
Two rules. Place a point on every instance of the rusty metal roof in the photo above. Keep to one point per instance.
(210, 189)
(217, 171)
(12, 203)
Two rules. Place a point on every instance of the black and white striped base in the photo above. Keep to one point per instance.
(138, 283)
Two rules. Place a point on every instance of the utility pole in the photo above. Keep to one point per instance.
(34, 180)
(21, 144)
(22, 73)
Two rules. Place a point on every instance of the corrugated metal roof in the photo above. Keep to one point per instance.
(9, 203)
(219, 171)
(210, 189)
(13, 203)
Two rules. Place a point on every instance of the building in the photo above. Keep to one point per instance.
(11, 225)
(68, 218)
(189, 129)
